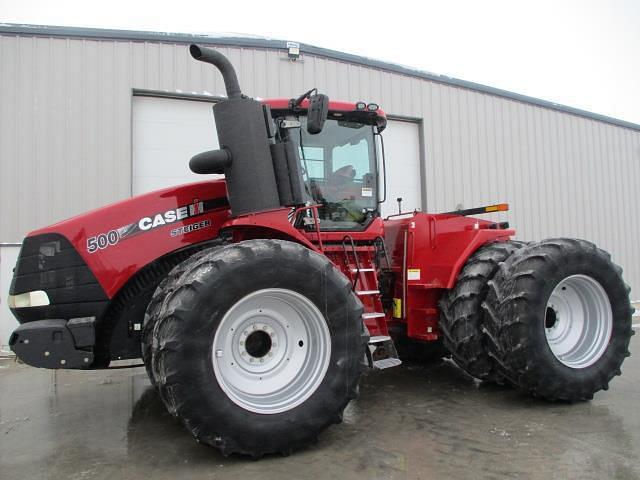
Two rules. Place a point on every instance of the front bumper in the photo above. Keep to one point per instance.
(55, 343)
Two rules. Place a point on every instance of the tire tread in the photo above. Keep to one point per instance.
(462, 319)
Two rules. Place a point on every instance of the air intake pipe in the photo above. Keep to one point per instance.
(245, 155)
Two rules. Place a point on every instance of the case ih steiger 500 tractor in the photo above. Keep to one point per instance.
(257, 300)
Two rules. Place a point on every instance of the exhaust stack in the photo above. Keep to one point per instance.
(245, 155)
(222, 63)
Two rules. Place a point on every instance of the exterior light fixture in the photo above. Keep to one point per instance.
(361, 106)
(293, 50)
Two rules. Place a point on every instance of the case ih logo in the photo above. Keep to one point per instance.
(145, 224)
(170, 216)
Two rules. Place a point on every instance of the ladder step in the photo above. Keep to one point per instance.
(367, 292)
(387, 363)
(373, 315)
(354, 270)
(379, 339)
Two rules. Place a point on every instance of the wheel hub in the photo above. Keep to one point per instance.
(578, 321)
(271, 350)
(258, 343)
(550, 318)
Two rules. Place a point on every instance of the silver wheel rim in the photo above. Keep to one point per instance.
(271, 351)
(578, 321)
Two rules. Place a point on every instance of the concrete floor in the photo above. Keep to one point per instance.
(409, 422)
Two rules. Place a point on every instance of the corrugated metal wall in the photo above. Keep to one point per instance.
(65, 136)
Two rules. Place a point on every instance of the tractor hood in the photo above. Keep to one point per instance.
(112, 243)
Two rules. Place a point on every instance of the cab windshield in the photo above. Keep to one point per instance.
(339, 169)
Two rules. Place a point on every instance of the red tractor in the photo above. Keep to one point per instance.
(257, 300)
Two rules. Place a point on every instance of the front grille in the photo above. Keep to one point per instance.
(49, 262)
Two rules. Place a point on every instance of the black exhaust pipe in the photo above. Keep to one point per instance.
(245, 155)
(222, 63)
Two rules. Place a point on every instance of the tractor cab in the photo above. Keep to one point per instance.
(301, 152)
(338, 163)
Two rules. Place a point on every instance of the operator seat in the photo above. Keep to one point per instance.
(342, 175)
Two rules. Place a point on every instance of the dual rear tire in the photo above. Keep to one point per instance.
(551, 318)
(558, 319)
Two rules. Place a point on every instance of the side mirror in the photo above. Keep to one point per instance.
(317, 113)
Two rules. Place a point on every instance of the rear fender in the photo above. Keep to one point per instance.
(437, 246)
(428, 252)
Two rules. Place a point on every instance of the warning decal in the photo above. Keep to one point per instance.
(413, 274)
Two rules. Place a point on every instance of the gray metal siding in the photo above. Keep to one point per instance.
(65, 136)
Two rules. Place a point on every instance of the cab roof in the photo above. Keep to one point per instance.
(352, 111)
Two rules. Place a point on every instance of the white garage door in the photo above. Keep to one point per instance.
(168, 132)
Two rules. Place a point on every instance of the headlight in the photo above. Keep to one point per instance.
(37, 298)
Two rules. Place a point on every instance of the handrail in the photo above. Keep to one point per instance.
(355, 257)
(380, 240)
(400, 214)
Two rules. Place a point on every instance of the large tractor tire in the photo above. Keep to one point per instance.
(559, 319)
(166, 286)
(462, 317)
(259, 347)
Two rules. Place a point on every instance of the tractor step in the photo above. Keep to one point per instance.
(382, 353)
(367, 316)
(367, 292)
(386, 363)
(379, 339)
(355, 270)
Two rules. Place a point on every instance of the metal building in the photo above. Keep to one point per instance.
(90, 116)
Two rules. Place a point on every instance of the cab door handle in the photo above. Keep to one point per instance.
(432, 232)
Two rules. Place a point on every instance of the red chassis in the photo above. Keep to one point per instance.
(426, 251)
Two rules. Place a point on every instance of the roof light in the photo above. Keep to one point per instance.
(372, 107)
(361, 106)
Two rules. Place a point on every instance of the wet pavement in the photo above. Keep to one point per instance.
(409, 422)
